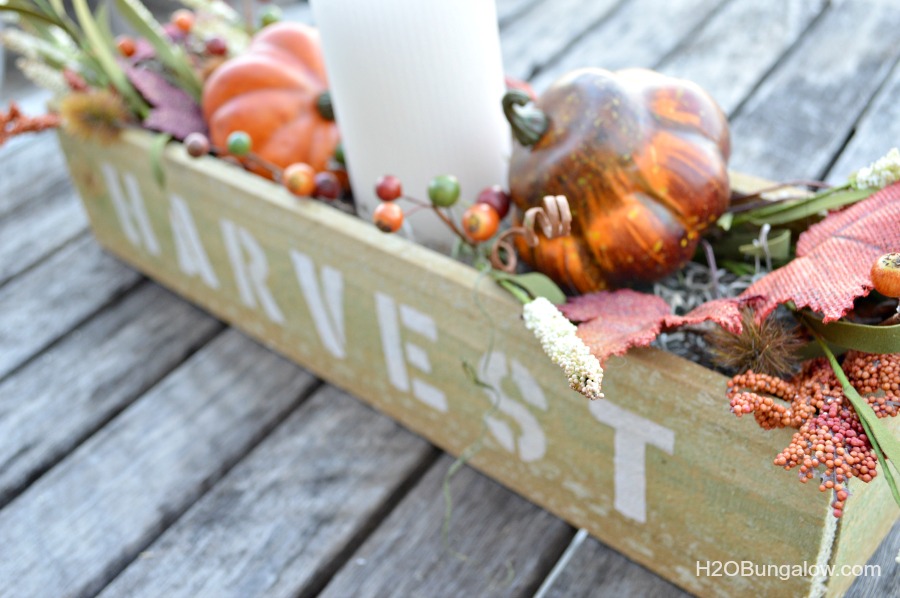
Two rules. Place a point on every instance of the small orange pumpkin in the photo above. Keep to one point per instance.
(640, 156)
(275, 91)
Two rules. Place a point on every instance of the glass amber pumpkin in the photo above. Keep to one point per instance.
(275, 91)
(642, 159)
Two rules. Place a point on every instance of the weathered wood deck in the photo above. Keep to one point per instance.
(147, 450)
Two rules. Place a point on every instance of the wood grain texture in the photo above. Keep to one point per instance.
(539, 448)
(276, 523)
(786, 131)
(887, 581)
(498, 545)
(590, 568)
(37, 229)
(543, 32)
(55, 402)
(877, 132)
(31, 168)
(736, 49)
(45, 303)
(90, 515)
(630, 39)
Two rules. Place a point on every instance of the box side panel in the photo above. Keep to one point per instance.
(659, 470)
(869, 516)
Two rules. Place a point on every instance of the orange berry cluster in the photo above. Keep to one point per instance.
(830, 440)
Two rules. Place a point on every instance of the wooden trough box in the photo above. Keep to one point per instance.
(660, 470)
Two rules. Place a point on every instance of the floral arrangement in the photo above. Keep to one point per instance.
(628, 204)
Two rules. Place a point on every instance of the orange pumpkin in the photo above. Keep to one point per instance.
(276, 92)
(642, 159)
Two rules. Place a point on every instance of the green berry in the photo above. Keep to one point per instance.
(443, 190)
(270, 14)
(239, 143)
(339, 155)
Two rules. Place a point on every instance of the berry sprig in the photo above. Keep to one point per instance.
(299, 178)
(479, 223)
(831, 442)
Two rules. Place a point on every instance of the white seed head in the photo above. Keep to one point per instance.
(559, 341)
(881, 173)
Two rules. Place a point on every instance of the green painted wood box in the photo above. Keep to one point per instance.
(660, 470)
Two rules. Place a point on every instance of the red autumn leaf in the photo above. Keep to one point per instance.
(611, 322)
(834, 259)
(724, 312)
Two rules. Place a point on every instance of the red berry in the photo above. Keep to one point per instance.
(183, 19)
(327, 186)
(388, 188)
(126, 46)
(196, 145)
(216, 46)
(388, 217)
(480, 221)
(495, 197)
(300, 179)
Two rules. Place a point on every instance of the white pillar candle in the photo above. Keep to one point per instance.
(417, 88)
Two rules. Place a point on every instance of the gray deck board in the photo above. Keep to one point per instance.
(877, 131)
(51, 405)
(498, 545)
(730, 61)
(282, 519)
(46, 302)
(545, 31)
(631, 39)
(798, 120)
(78, 525)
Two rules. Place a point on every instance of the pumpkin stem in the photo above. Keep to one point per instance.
(324, 106)
(528, 123)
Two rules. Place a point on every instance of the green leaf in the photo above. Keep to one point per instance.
(173, 57)
(515, 291)
(738, 268)
(103, 54)
(786, 212)
(534, 284)
(156, 154)
(778, 242)
(860, 337)
(28, 12)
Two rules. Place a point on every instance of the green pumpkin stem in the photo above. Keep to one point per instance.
(324, 106)
(528, 123)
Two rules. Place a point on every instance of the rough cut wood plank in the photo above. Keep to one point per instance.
(876, 133)
(546, 30)
(886, 582)
(737, 48)
(499, 544)
(275, 525)
(588, 568)
(90, 515)
(786, 130)
(55, 402)
(630, 39)
(37, 229)
(45, 303)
